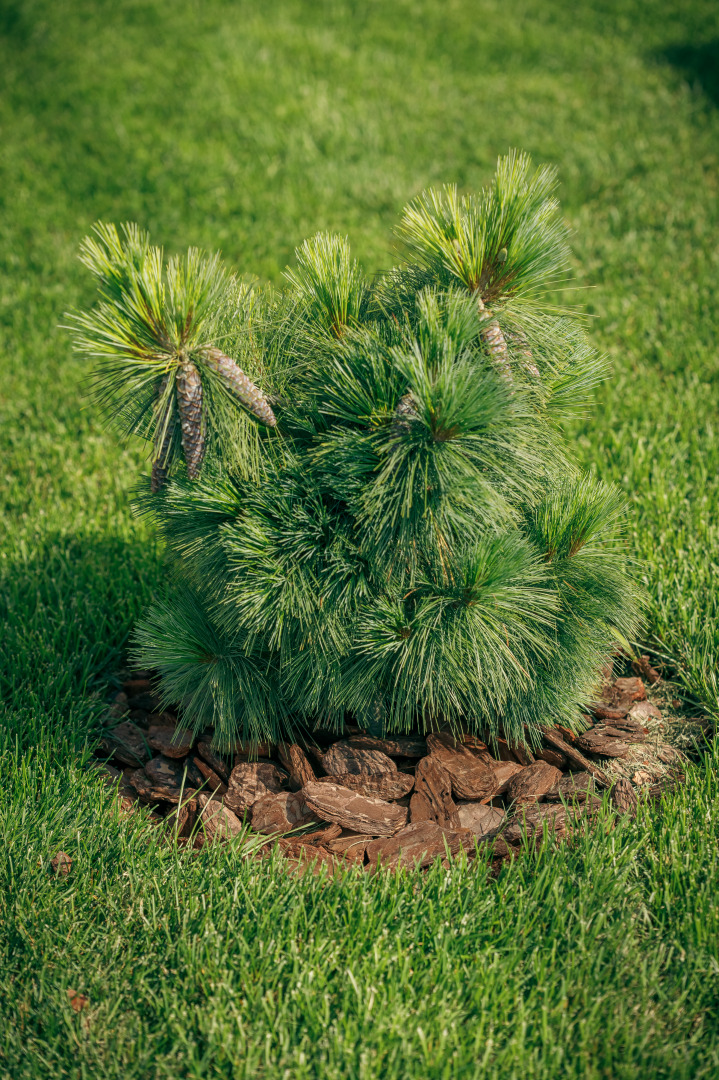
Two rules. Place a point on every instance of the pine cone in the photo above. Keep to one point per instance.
(161, 452)
(404, 413)
(189, 400)
(250, 395)
(491, 334)
(519, 340)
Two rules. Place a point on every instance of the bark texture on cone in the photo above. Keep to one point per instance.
(492, 336)
(519, 340)
(248, 393)
(189, 401)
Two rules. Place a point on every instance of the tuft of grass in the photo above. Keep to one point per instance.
(249, 127)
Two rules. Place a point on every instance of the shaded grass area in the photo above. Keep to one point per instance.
(247, 127)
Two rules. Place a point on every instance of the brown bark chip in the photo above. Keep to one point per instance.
(642, 711)
(216, 821)
(533, 783)
(331, 802)
(216, 761)
(624, 797)
(632, 687)
(388, 786)
(471, 777)
(523, 754)
(160, 779)
(280, 813)
(126, 743)
(351, 847)
(417, 845)
(409, 746)
(249, 781)
(530, 822)
(343, 758)
(603, 742)
(433, 782)
(213, 783)
(481, 820)
(420, 808)
(173, 742)
(61, 864)
(553, 757)
(185, 816)
(503, 773)
(576, 786)
(576, 760)
(297, 764)
(643, 667)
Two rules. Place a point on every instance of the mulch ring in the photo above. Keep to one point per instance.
(401, 800)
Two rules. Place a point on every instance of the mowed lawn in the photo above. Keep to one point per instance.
(246, 127)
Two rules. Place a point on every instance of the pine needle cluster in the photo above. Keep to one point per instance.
(390, 530)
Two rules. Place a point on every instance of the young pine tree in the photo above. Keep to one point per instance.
(390, 529)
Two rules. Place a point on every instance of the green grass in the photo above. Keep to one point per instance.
(247, 127)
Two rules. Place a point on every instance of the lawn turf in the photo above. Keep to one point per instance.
(247, 127)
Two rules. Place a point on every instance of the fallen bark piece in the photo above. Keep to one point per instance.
(109, 773)
(408, 746)
(249, 781)
(576, 786)
(342, 759)
(126, 744)
(297, 764)
(250, 751)
(504, 751)
(216, 761)
(216, 821)
(643, 667)
(632, 687)
(642, 711)
(601, 742)
(351, 847)
(624, 797)
(481, 820)
(616, 711)
(573, 756)
(320, 836)
(138, 685)
(533, 783)
(530, 821)
(160, 779)
(471, 777)
(61, 864)
(417, 845)
(182, 818)
(503, 773)
(331, 802)
(213, 783)
(173, 742)
(388, 786)
(553, 757)
(420, 808)
(280, 813)
(433, 781)
(523, 754)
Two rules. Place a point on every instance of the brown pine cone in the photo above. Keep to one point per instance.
(250, 395)
(189, 400)
(492, 336)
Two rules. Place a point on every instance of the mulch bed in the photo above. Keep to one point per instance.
(401, 800)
